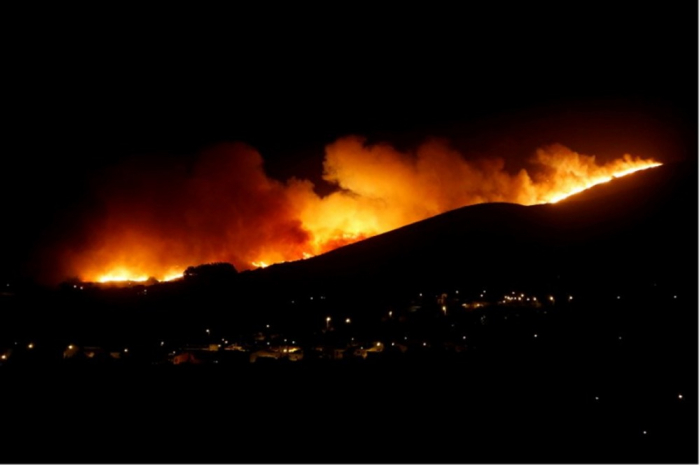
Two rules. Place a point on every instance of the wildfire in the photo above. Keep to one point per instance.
(583, 184)
(121, 277)
(228, 209)
(575, 182)
(172, 277)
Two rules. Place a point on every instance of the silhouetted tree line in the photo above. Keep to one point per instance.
(210, 272)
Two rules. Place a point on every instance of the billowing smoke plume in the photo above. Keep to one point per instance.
(157, 221)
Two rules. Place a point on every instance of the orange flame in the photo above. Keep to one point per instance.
(121, 276)
(230, 210)
(580, 173)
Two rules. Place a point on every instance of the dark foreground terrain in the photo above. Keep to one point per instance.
(428, 412)
(583, 390)
(601, 367)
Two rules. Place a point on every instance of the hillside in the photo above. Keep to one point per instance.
(643, 224)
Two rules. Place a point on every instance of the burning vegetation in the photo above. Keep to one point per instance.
(156, 222)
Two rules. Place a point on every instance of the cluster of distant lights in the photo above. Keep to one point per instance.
(513, 297)
(72, 348)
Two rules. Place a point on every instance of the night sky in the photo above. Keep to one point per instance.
(81, 95)
(92, 97)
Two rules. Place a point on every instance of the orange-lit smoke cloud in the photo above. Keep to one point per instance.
(225, 208)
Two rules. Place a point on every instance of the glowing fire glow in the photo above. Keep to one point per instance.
(172, 277)
(577, 187)
(226, 209)
(124, 276)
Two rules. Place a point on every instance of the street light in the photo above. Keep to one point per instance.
(328, 322)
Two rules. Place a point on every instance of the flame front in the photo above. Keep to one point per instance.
(581, 173)
(226, 208)
(122, 276)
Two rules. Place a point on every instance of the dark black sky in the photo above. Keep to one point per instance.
(84, 89)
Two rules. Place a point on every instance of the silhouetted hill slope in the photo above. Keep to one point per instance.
(635, 227)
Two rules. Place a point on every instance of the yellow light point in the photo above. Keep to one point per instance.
(70, 347)
(347, 320)
(4, 357)
(126, 350)
(30, 346)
